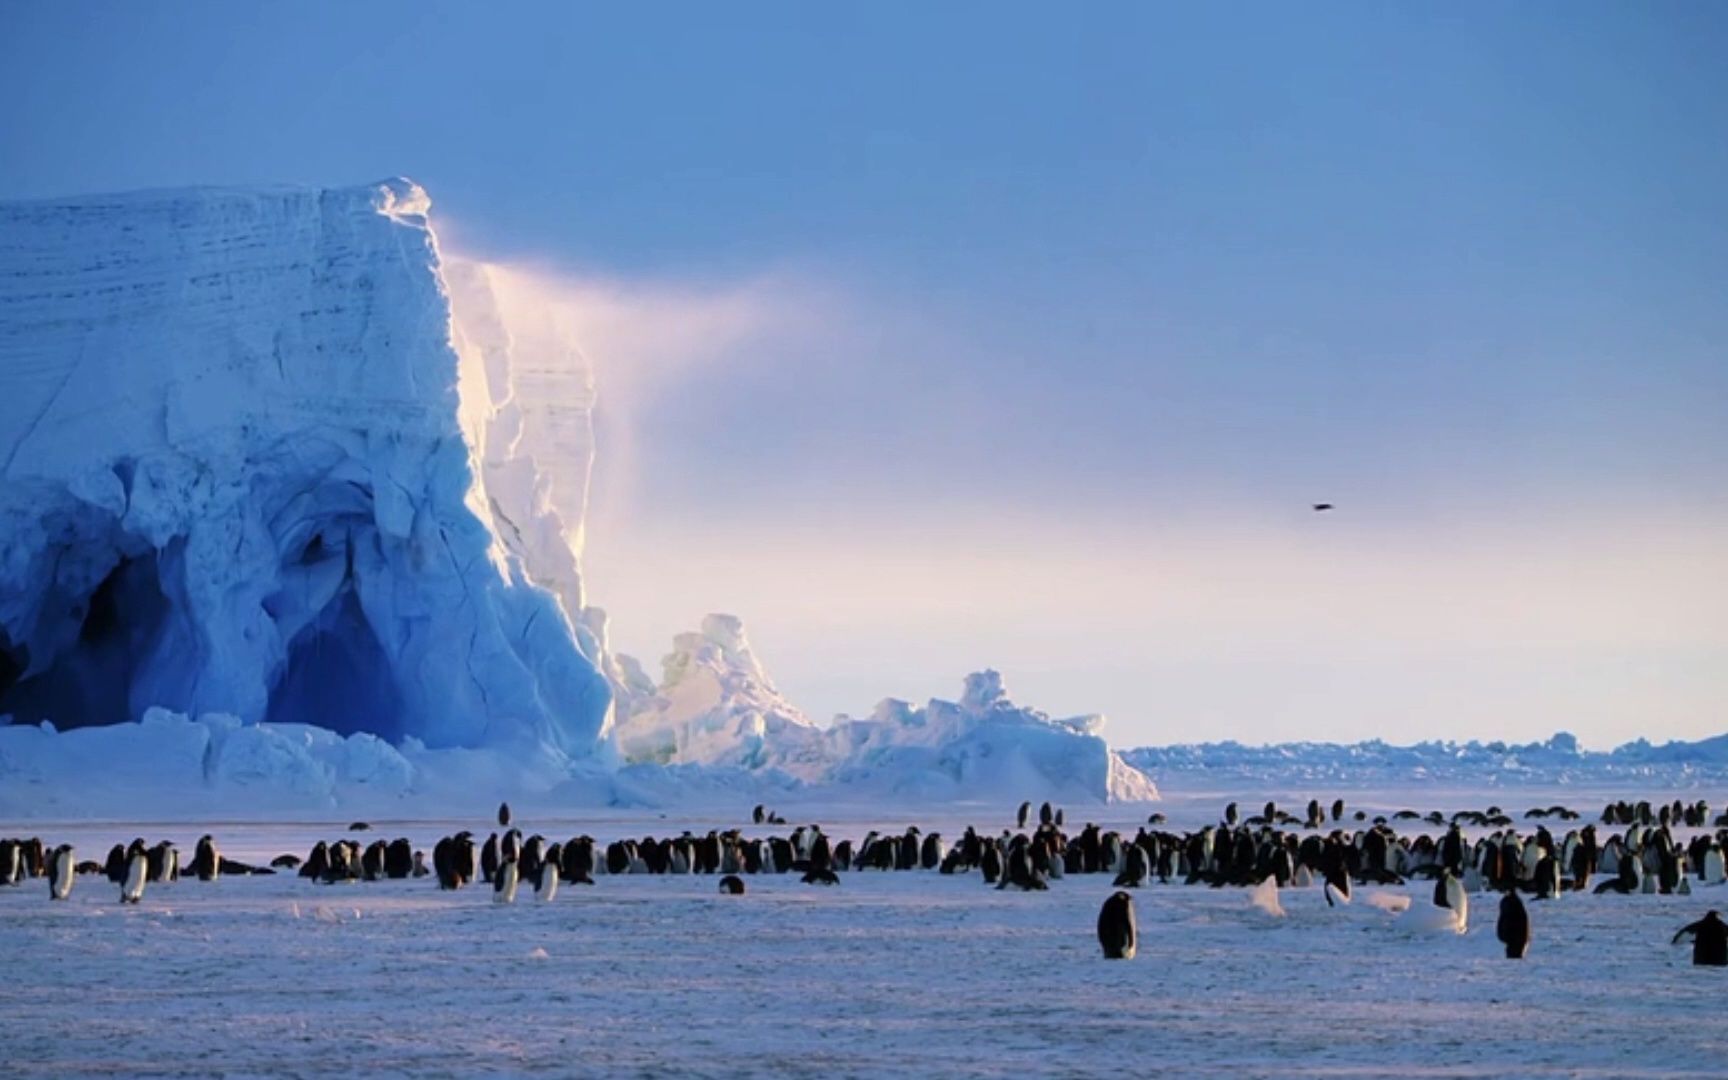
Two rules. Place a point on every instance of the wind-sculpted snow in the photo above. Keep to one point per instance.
(237, 477)
(1559, 761)
(716, 707)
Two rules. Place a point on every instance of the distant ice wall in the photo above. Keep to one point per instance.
(241, 472)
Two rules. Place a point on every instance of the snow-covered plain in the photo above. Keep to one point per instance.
(911, 972)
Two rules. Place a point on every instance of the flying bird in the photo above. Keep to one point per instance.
(1320, 508)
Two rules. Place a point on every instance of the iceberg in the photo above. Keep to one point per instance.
(715, 706)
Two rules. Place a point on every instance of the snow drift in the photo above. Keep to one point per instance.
(238, 477)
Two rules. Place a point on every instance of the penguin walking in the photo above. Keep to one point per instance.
(61, 869)
(1513, 927)
(1025, 812)
(1709, 941)
(504, 883)
(1337, 890)
(504, 815)
(1117, 931)
(137, 870)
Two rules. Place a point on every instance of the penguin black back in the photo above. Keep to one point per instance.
(1709, 940)
(1117, 931)
(1513, 926)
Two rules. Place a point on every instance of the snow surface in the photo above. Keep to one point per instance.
(888, 974)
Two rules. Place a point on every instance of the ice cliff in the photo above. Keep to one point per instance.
(253, 463)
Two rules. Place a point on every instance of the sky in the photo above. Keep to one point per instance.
(936, 337)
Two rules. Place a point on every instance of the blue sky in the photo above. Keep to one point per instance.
(1038, 330)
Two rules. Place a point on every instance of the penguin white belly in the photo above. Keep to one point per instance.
(133, 890)
(1459, 901)
(504, 885)
(61, 875)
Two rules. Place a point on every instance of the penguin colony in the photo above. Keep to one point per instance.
(1635, 852)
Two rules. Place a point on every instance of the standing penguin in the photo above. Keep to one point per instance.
(1337, 889)
(1025, 812)
(489, 859)
(1117, 931)
(61, 867)
(504, 815)
(1513, 928)
(547, 887)
(1449, 893)
(504, 883)
(1709, 941)
(207, 861)
(137, 870)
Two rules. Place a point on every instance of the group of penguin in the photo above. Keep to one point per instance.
(1274, 846)
(1644, 859)
(130, 866)
(505, 861)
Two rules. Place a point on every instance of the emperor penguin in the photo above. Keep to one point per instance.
(1513, 929)
(61, 868)
(1709, 940)
(1715, 870)
(1116, 927)
(1456, 898)
(504, 883)
(137, 870)
(547, 887)
(164, 863)
(207, 861)
(1337, 890)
